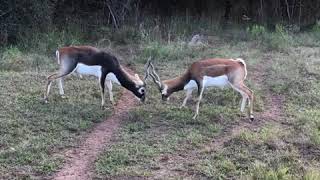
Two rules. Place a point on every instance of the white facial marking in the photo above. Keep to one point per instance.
(164, 91)
(137, 80)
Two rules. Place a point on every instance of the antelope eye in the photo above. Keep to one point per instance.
(141, 90)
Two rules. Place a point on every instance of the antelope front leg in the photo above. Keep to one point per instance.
(188, 95)
(102, 85)
(46, 94)
(61, 91)
(109, 86)
(198, 103)
(48, 87)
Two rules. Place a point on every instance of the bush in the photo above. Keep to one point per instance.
(125, 35)
(47, 43)
(257, 31)
(169, 52)
(278, 40)
(12, 59)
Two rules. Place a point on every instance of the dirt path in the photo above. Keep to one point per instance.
(79, 161)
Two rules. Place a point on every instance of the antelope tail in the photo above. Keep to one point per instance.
(244, 64)
(58, 56)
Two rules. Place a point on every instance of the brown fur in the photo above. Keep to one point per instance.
(69, 57)
(209, 67)
(235, 70)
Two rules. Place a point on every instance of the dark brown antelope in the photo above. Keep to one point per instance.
(207, 73)
(71, 58)
(82, 69)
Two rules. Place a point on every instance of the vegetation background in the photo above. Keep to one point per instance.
(279, 39)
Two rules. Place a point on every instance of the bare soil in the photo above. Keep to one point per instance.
(80, 161)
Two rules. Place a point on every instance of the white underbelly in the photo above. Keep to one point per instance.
(219, 81)
(95, 71)
(88, 70)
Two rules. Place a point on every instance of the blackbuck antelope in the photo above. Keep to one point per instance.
(207, 73)
(102, 65)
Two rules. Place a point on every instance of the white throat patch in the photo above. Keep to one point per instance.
(164, 91)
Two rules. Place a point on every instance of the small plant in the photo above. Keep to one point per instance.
(125, 35)
(311, 174)
(278, 40)
(12, 59)
(261, 171)
(316, 27)
(165, 52)
(256, 31)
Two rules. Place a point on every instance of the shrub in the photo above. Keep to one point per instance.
(257, 31)
(12, 59)
(278, 40)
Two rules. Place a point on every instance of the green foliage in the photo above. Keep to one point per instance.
(156, 131)
(47, 43)
(125, 35)
(266, 135)
(120, 159)
(12, 59)
(257, 31)
(308, 121)
(161, 52)
(316, 28)
(33, 131)
(312, 174)
(259, 171)
(216, 167)
(279, 40)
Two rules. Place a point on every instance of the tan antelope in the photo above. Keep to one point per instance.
(71, 58)
(207, 73)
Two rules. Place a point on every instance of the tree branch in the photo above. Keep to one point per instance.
(113, 17)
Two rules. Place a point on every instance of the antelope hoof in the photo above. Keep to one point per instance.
(63, 96)
(251, 117)
(46, 100)
(195, 117)
(182, 106)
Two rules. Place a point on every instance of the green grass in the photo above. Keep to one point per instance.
(158, 139)
(33, 133)
(159, 135)
(159, 129)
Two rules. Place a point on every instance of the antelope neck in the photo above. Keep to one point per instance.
(178, 83)
(124, 78)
